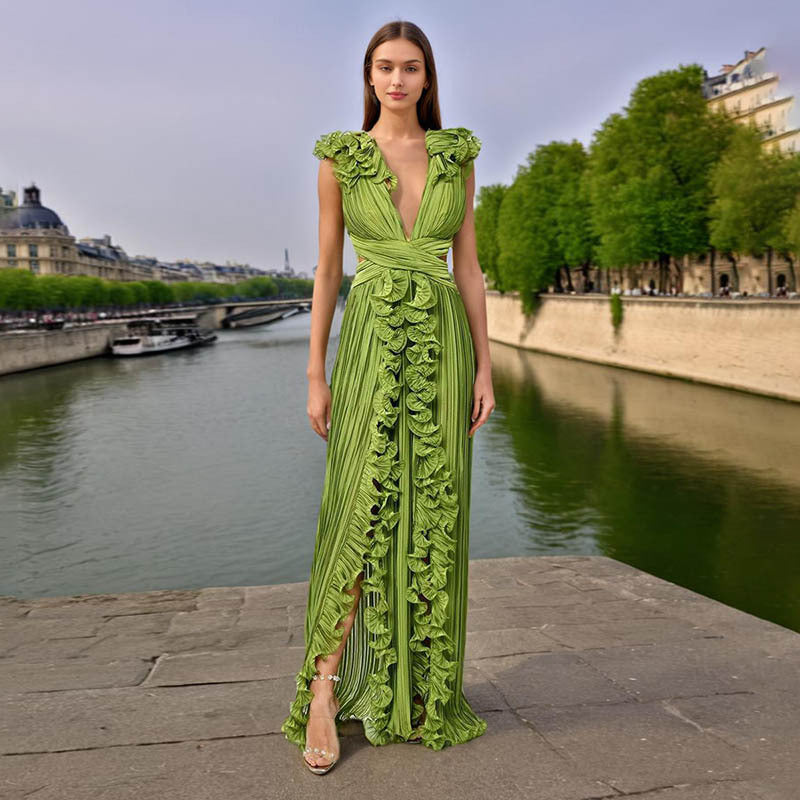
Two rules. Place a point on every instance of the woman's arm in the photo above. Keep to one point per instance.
(469, 279)
(327, 282)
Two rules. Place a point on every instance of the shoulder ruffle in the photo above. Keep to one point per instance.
(453, 148)
(355, 155)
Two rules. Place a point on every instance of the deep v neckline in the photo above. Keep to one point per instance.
(399, 219)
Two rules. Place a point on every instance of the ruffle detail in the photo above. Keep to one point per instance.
(407, 332)
(356, 155)
(452, 149)
(375, 517)
(433, 667)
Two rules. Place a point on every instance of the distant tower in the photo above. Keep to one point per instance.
(286, 259)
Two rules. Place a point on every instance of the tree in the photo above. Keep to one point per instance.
(19, 290)
(543, 221)
(576, 238)
(487, 215)
(650, 171)
(516, 239)
(754, 191)
(791, 233)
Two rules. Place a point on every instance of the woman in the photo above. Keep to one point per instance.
(385, 625)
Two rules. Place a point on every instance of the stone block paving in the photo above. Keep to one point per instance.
(597, 680)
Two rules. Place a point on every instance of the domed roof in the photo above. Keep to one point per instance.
(31, 214)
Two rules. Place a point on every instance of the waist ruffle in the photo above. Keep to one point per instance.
(406, 324)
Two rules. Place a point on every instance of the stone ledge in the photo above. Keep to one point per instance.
(597, 680)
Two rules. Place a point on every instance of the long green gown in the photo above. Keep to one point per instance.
(396, 494)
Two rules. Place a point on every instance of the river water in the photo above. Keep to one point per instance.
(199, 468)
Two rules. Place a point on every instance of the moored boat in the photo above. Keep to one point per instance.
(157, 335)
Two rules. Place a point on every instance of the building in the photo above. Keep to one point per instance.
(7, 200)
(749, 92)
(33, 237)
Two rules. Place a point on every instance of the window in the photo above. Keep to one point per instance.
(33, 250)
(12, 250)
(34, 266)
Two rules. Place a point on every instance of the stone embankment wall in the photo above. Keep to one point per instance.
(749, 344)
(23, 350)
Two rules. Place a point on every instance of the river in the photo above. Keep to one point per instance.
(199, 468)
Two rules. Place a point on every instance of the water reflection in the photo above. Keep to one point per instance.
(695, 484)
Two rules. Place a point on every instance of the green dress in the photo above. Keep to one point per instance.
(396, 494)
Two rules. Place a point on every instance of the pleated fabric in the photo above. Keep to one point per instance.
(396, 495)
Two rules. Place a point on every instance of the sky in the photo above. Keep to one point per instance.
(184, 130)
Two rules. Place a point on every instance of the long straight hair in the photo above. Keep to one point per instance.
(428, 104)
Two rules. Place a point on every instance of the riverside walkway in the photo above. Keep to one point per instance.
(597, 680)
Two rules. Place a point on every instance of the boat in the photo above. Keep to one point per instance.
(157, 335)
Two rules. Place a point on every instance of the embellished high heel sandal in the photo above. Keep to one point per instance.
(318, 750)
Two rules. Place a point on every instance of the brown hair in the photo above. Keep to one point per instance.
(428, 105)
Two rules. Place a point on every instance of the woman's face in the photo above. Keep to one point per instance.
(398, 73)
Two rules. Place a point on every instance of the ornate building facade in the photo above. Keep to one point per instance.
(749, 92)
(33, 237)
(704, 275)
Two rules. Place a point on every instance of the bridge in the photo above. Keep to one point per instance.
(246, 313)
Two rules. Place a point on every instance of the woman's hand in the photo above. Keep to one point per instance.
(319, 406)
(483, 399)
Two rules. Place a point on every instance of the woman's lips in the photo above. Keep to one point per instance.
(397, 95)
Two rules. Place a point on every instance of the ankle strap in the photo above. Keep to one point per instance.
(320, 676)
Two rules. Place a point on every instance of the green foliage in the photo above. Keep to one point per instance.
(294, 287)
(615, 300)
(487, 214)
(159, 292)
(543, 219)
(755, 194)
(515, 238)
(791, 228)
(119, 294)
(573, 214)
(650, 171)
(257, 287)
(21, 290)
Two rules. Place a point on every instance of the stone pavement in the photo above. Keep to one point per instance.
(597, 680)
